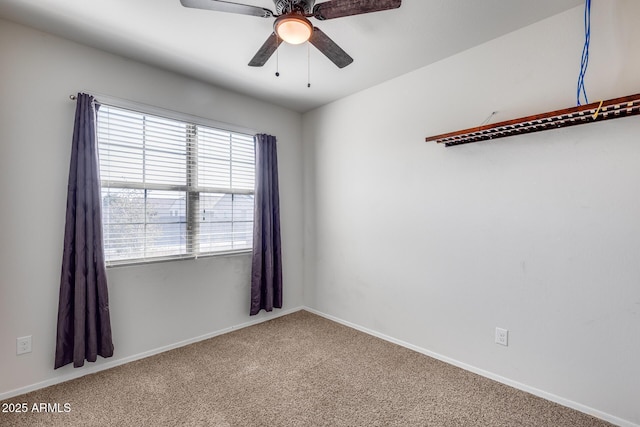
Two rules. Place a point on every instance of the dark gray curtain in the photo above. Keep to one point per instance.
(266, 268)
(84, 327)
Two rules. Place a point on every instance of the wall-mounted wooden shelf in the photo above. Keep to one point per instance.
(594, 112)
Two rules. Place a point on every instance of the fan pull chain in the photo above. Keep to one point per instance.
(277, 56)
(308, 64)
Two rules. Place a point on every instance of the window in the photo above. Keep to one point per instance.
(172, 189)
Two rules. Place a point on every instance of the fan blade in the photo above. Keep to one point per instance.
(264, 53)
(329, 48)
(339, 8)
(227, 6)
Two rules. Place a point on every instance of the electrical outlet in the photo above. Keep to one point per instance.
(502, 336)
(23, 345)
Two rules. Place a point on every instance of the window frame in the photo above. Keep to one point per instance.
(191, 122)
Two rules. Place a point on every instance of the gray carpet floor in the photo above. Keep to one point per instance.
(296, 370)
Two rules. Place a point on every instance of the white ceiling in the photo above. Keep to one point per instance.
(215, 47)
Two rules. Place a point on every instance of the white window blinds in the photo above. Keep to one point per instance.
(172, 189)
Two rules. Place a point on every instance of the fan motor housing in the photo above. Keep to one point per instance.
(286, 6)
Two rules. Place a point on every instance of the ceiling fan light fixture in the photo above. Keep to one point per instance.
(293, 29)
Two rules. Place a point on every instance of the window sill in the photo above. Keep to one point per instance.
(145, 261)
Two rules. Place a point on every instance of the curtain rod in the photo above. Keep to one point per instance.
(163, 112)
(75, 97)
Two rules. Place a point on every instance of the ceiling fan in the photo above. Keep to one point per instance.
(293, 26)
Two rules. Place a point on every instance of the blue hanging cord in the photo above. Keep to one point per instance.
(585, 54)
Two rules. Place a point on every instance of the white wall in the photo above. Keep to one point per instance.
(152, 306)
(539, 234)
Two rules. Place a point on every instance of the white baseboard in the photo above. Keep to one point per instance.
(532, 390)
(113, 363)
